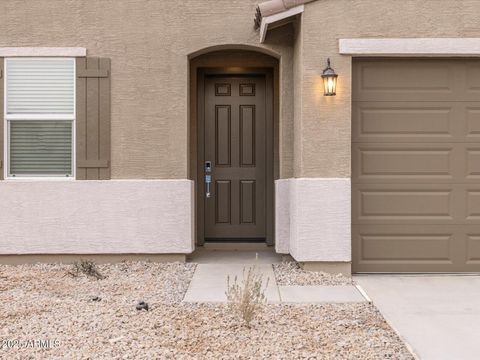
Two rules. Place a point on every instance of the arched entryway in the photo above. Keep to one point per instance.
(234, 144)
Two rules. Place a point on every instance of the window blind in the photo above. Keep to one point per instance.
(40, 147)
(40, 86)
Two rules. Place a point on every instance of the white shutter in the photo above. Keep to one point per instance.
(40, 86)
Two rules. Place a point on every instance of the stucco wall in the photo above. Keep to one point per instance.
(148, 43)
(319, 224)
(282, 216)
(297, 95)
(96, 217)
(312, 219)
(324, 150)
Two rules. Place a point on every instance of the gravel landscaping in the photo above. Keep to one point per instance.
(290, 273)
(98, 319)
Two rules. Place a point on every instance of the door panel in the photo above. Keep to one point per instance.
(223, 202)
(247, 202)
(235, 142)
(247, 135)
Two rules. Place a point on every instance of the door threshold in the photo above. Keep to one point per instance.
(235, 240)
(235, 246)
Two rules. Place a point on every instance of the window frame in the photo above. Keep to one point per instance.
(37, 117)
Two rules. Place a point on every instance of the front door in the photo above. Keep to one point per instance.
(234, 158)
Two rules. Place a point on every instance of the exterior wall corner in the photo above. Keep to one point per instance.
(282, 216)
(318, 222)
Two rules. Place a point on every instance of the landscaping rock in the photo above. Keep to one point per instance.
(290, 273)
(44, 304)
(142, 305)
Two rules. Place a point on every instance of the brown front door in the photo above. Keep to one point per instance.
(235, 145)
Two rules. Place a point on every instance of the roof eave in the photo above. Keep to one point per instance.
(279, 19)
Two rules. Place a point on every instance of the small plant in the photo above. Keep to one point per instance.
(246, 298)
(86, 267)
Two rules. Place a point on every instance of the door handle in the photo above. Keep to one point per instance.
(208, 178)
(208, 181)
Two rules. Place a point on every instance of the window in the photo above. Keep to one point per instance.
(39, 117)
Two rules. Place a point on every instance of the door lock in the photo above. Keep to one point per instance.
(208, 178)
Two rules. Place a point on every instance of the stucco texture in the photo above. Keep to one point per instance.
(322, 125)
(282, 216)
(149, 43)
(97, 217)
(313, 219)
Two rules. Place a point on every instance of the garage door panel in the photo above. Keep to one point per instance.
(397, 244)
(472, 162)
(473, 247)
(407, 162)
(415, 248)
(412, 122)
(416, 162)
(473, 77)
(472, 202)
(407, 80)
(416, 204)
(472, 115)
(403, 203)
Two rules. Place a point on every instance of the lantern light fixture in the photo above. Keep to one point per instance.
(329, 80)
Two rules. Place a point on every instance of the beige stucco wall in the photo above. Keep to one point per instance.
(297, 94)
(149, 43)
(322, 148)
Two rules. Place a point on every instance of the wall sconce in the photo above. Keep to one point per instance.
(329, 80)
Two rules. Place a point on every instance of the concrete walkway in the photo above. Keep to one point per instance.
(439, 316)
(209, 282)
(320, 294)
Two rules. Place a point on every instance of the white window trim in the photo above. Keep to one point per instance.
(43, 51)
(6, 132)
(428, 47)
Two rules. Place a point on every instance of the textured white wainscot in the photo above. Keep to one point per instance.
(96, 217)
(319, 219)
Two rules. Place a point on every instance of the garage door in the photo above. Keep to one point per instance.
(416, 165)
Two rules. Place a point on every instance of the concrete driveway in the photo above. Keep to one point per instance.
(439, 316)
